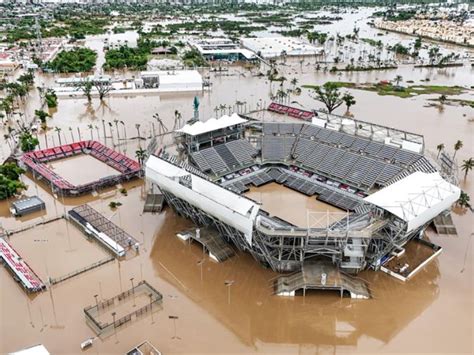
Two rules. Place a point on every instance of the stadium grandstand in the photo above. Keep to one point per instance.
(37, 162)
(390, 191)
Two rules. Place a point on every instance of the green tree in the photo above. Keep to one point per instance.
(459, 144)
(440, 148)
(140, 154)
(467, 166)
(329, 95)
(86, 87)
(28, 142)
(463, 200)
(398, 79)
(10, 183)
(349, 100)
(51, 98)
(42, 116)
(417, 44)
(76, 60)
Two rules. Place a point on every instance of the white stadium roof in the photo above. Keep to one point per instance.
(212, 125)
(416, 199)
(237, 211)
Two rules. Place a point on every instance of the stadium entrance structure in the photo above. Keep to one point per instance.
(357, 173)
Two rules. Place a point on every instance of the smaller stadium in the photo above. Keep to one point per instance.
(384, 189)
(41, 162)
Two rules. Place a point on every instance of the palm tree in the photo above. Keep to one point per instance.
(116, 121)
(398, 79)
(349, 100)
(91, 127)
(463, 200)
(58, 131)
(294, 81)
(440, 147)
(457, 146)
(140, 154)
(124, 130)
(442, 99)
(42, 117)
(467, 166)
(137, 126)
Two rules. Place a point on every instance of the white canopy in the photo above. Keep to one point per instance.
(235, 210)
(416, 199)
(212, 124)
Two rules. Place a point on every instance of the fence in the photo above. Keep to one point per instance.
(101, 328)
(54, 281)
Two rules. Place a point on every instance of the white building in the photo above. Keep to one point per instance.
(170, 81)
(270, 47)
(222, 49)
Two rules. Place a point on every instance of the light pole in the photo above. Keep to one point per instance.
(133, 291)
(228, 283)
(115, 328)
(174, 318)
(151, 307)
(201, 263)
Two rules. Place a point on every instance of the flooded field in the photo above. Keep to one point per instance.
(274, 197)
(55, 249)
(430, 313)
(82, 169)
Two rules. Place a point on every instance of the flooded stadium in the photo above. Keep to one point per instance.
(209, 306)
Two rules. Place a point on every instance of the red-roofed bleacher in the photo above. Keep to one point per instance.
(20, 268)
(37, 160)
(291, 111)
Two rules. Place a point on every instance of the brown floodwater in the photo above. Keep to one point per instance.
(82, 169)
(433, 312)
(292, 206)
(56, 249)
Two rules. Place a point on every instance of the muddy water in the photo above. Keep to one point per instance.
(56, 249)
(301, 210)
(82, 169)
(430, 313)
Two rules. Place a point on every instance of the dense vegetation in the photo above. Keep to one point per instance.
(10, 183)
(386, 88)
(76, 28)
(194, 58)
(131, 58)
(28, 142)
(73, 61)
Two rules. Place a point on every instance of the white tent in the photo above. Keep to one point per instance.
(416, 199)
(212, 125)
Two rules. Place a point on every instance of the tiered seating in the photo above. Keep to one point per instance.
(355, 160)
(325, 194)
(272, 148)
(214, 160)
(37, 160)
(290, 111)
(225, 157)
(242, 150)
(201, 163)
(30, 281)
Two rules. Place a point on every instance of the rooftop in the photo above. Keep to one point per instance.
(212, 124)
(416, 199)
